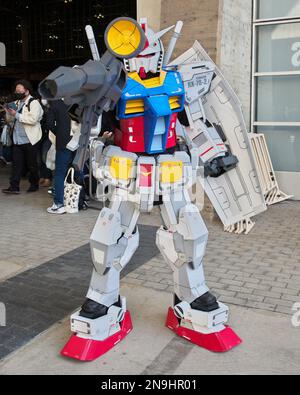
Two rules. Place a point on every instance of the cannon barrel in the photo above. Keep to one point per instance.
(97, 85)
(92, 88)
(77, 85)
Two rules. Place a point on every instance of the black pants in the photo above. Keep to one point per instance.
(24, 156)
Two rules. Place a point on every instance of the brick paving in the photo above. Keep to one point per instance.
(261, 270)
(40, 297)
(29, 236)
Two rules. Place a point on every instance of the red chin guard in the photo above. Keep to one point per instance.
(142, 73)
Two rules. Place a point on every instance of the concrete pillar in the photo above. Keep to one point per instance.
(200, 23)
(151, 10)
(234, 45)
(224, 28)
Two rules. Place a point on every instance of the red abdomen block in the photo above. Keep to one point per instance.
(131, 137)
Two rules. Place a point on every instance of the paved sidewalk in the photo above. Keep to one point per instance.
(37, 298)
(271, 346)
(261, 270)
(258, 275)
(29, 236)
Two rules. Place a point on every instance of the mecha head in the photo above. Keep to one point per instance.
(151, 58)
(141, 48)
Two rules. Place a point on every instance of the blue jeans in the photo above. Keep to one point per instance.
(63, 161)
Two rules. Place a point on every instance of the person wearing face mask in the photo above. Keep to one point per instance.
(58, 121)
(25, 118)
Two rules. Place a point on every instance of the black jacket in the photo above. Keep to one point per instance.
(58, 121)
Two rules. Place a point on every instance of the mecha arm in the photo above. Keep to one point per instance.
(90, 89)
(217, 131)
(95, 87)
(206, 136)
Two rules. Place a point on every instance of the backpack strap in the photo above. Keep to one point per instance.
(29, 103)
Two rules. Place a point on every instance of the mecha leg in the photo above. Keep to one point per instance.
(197, 315)
(104, 320)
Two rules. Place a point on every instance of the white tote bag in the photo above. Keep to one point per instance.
(72, 193)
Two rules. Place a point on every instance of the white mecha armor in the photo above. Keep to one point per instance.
(146, 166)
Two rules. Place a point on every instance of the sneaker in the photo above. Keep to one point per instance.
(56, 209)
(11, 191)
(33, 188)
(4, 162)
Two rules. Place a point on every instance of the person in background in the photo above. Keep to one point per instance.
(45, 144)
(5, 151)
(25, 116)
(58, 121)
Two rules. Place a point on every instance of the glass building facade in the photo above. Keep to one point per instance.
(40, 34)
(276, 80)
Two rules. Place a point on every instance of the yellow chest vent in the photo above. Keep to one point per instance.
(135, 107)
(175, 102)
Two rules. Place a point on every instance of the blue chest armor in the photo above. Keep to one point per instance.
(155, 100)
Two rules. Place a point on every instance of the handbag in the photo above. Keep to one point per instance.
(50, 158)
(71, 193)
(6, 139)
